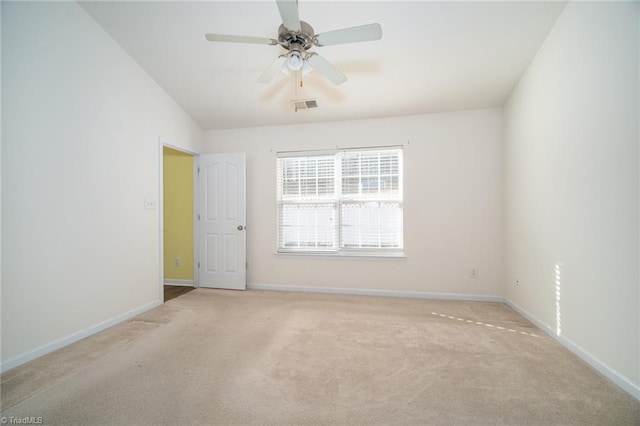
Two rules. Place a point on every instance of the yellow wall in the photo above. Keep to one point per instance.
(178, 214)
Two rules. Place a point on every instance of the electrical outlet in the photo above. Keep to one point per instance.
(474, 273)
(177, 261)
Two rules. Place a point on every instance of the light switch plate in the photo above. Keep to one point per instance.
(150, 204)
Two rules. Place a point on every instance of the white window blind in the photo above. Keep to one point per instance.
(345, 201)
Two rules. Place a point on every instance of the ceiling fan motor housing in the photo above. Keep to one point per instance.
(294, 40)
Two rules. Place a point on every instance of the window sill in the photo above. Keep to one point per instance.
(354, 254)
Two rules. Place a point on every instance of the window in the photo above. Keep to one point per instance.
(345, 202)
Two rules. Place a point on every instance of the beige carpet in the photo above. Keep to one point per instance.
(224, 357)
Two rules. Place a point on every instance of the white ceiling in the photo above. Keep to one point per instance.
(433, 56)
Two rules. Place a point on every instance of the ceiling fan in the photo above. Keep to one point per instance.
(297, 37)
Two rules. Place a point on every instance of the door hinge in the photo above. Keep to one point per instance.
(198, 217)
(247, 265)
(198, 264)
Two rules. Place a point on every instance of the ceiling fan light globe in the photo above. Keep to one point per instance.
(294, 61)
(285, 68)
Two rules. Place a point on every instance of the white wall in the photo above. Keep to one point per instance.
(80, 152)
(452, 210)
(572, 187)
(0, 183)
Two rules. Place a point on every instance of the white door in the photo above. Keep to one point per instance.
(222, 235)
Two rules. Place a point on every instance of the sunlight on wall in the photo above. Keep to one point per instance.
(558, 281)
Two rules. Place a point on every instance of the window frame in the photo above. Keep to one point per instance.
(339, 200)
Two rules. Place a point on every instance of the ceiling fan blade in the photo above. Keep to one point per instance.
(349, 35)
(289, 13)
(273, 69)
(321, 65)
(240, 39)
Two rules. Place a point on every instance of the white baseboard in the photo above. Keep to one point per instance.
(371, 292)
(74, 337)
(184, 283)
(632, 388)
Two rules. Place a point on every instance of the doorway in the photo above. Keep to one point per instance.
(177, 221)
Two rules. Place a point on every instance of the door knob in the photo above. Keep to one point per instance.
(240, 227)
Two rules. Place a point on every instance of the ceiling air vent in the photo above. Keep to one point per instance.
(304, 104)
